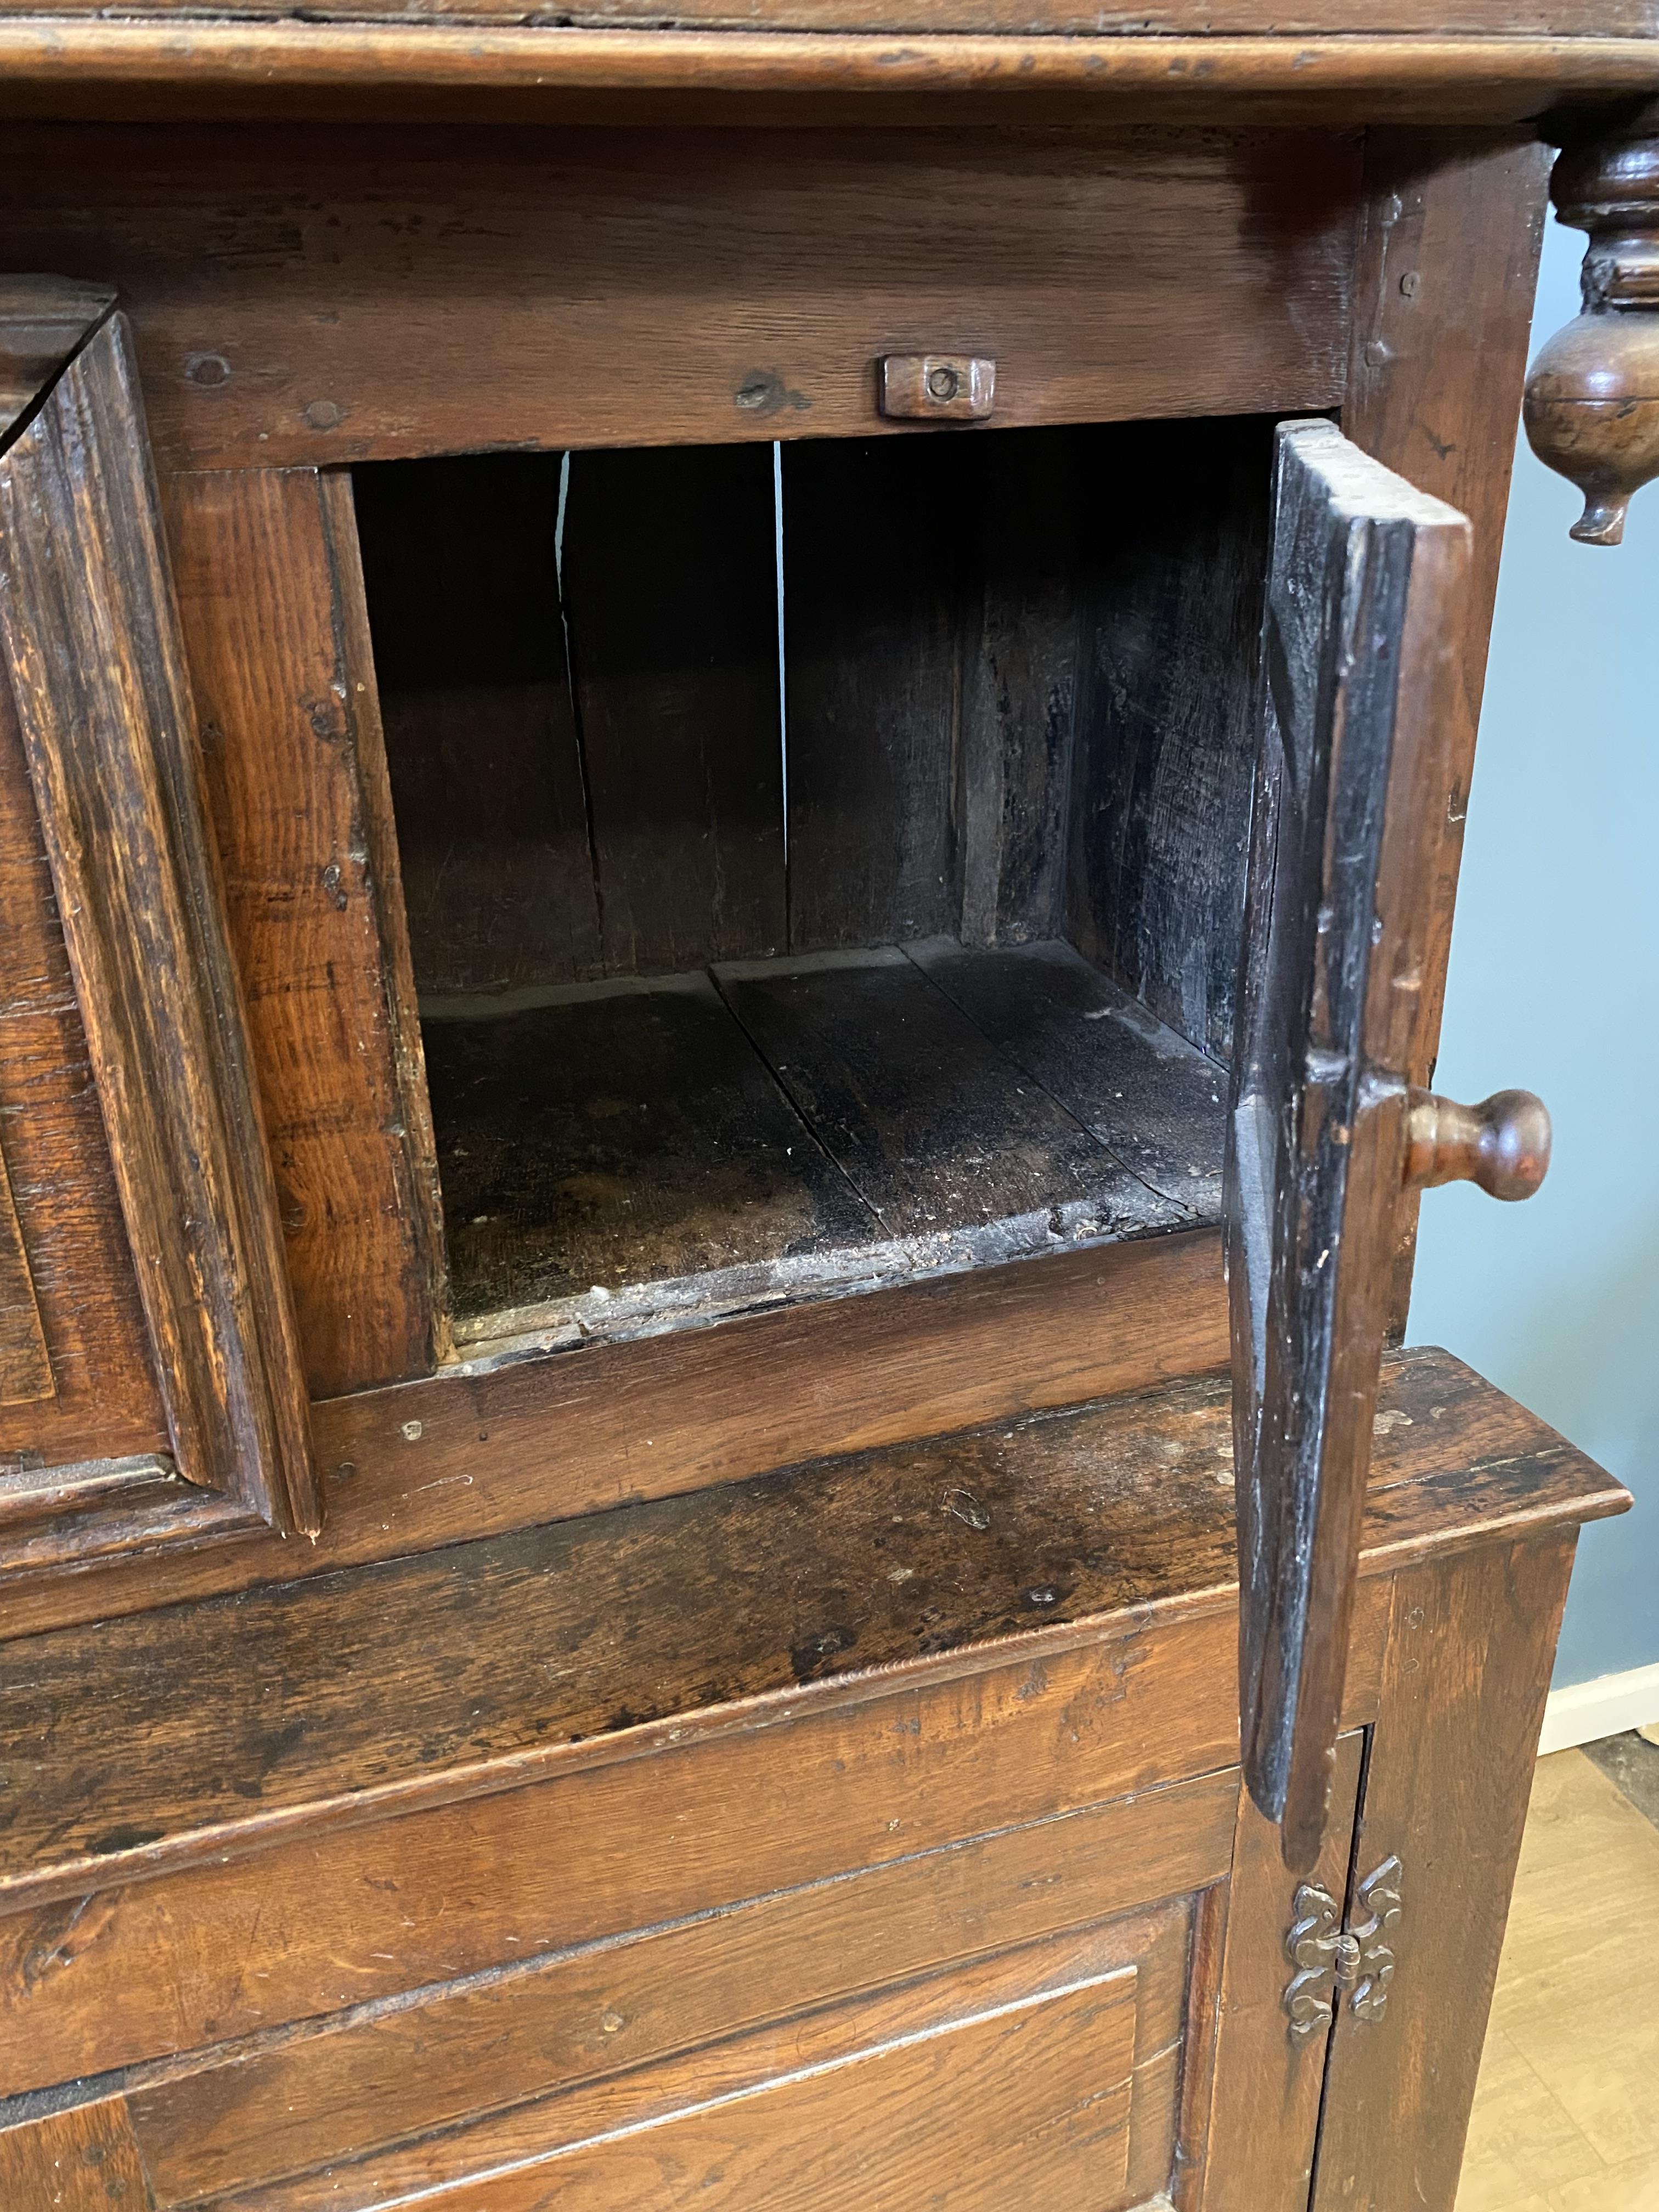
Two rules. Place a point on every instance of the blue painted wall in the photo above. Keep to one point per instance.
(1554, 984)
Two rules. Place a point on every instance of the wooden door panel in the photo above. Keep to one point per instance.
(108, 730)
(879, 2009)
(1365, 585)
(102, 1401)
(1027, 2098)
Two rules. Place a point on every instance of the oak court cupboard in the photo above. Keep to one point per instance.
(731, 757)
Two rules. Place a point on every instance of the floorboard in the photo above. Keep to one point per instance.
(1152, 1098)
(1567, 2115)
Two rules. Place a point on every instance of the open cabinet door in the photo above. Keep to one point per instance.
(1365, 581)
(119, 971)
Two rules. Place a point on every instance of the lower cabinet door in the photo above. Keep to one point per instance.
(1009, 2080)
(1028, 2016)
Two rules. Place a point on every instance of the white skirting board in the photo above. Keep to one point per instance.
(1585, 1711)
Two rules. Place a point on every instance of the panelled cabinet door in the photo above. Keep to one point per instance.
(149, 1382)
(1366, 580)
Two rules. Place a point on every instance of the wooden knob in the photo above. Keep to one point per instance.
(1503, 1144)
(1592, 404)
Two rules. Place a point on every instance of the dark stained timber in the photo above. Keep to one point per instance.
(459, 562)
(873, 658)
(623, 1148)
(108, 725)
(42, 321)
(1166, 689)
(671, 596)
(1149, 1096)
(553, 1639)
(1364, 595)
(624, 1157)
(934, 1127)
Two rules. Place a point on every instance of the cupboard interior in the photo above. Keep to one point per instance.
(823, 863)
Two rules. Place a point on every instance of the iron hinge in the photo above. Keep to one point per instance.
(1335, 1961)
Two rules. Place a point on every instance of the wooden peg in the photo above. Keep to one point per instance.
(1592, 403)
(1503, 1144)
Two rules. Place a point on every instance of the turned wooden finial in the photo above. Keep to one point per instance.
(1592, 405)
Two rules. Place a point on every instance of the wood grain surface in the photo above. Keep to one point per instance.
(270, 600)
(461, 574)
(835, 2107)
(1361, 622)
(1448, 258)
(1460, 1705)
(467, 1454)
(109, 729)
(1029, 2092)
(1153, 1100)
(553, 1640)
(25, 1374)
(1261, 2121)
(43, 320)
(626, 1140)
(619, 1159)
(82, 2160)
(1167, 683)
(407, 2074)
(828, 1778)
(671, 594)
(1031, 510)
(435, 72)
(1113, 276)
(1166, 19)
(241, 1926)
(105, 1403)
(938, 1131)
(872, 665)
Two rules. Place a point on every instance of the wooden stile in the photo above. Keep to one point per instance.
(108, 726)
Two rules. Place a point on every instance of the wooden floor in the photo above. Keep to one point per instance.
(1567, 2118)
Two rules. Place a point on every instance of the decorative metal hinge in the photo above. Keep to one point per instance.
(1332, 1961)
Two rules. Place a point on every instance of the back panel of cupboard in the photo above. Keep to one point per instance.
(1000, 687)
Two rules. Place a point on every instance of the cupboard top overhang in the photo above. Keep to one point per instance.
(792, 62)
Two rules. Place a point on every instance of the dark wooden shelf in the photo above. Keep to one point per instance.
(623, 1158)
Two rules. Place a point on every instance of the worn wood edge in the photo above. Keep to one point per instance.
(1483, 193)
(420, 1145)
(70, 312)
(1437, 540)
(76, 1513)
(677, 2088)
(397, 1502)
(1491, 76)
(224, 1841)
(31, 1495)
(1591, 1495)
